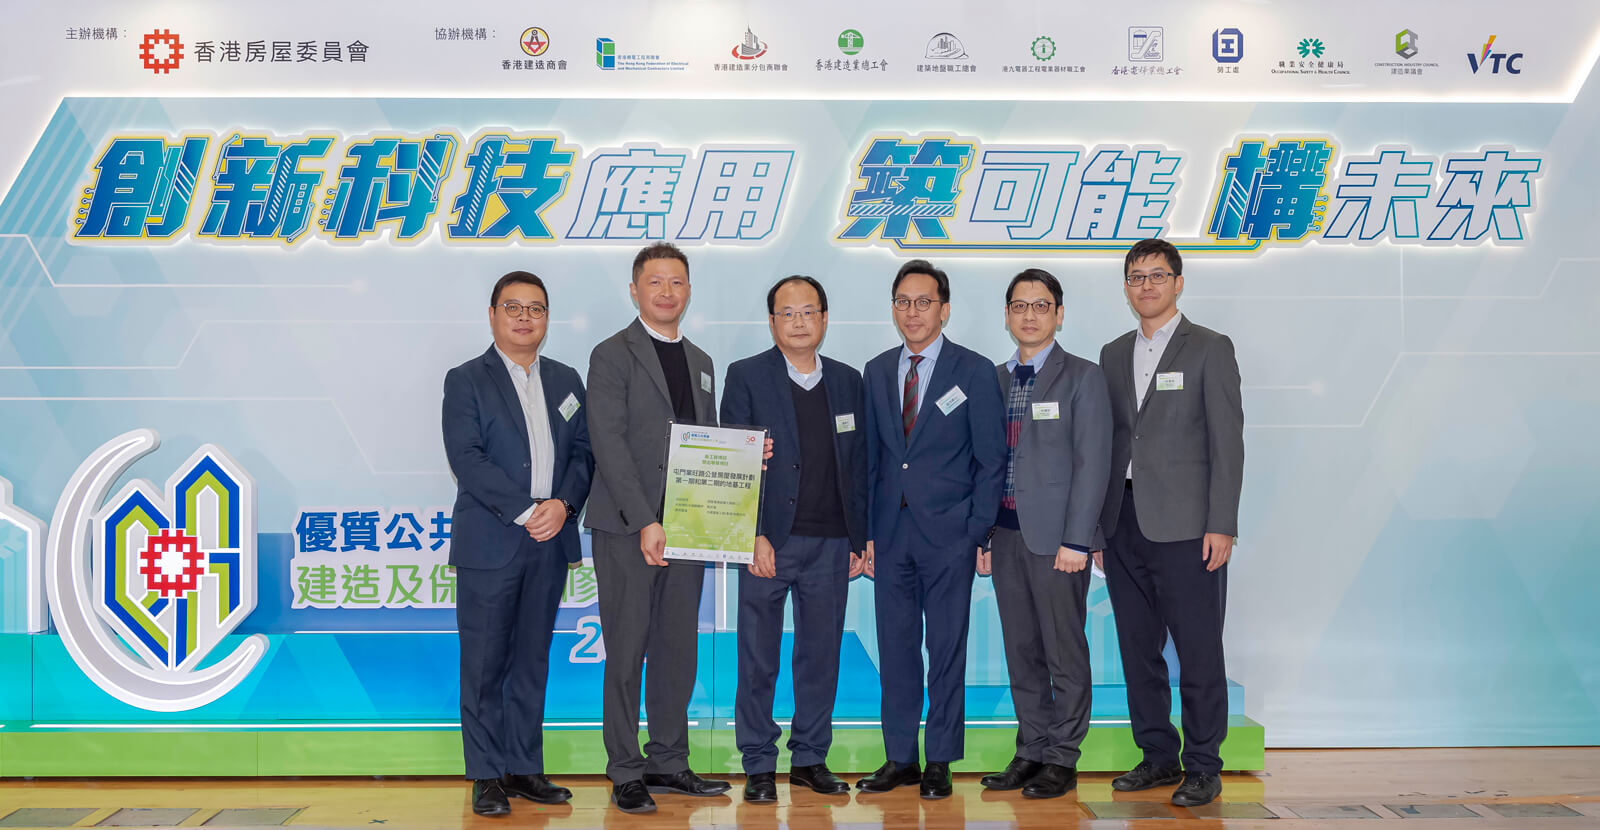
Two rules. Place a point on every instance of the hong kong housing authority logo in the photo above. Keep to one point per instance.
(145, 586)
(161, 51)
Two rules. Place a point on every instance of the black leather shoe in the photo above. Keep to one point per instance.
(819, 779)
(1146, 776)
(535, 788)
(489, 798)
(685, 783)
(890, 776)
(632, 797)
(936, 780)
(1198, 788)
(1053, 781)
(1017, 773)
(761, 788)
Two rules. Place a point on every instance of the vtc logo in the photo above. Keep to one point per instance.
(1497, 60)
(143, 587)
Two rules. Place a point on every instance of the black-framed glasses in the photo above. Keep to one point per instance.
(1020, 307)
(1155, 278)
(922, 303)
(512, 308)
(806, 314)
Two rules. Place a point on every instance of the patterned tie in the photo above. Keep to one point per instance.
(908, 411)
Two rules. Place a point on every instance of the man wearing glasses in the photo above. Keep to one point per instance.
(813, 529)
(1058, 455)
(519, 449)
(1171, 514)
(640, 379)
(936, 455)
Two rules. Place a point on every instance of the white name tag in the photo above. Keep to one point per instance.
(952, 399)
(569, 406)
(705, 381)
(1046, 411)
(1169, 381)
(845, 422)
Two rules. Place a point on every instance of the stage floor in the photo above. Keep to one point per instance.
(1475, 788)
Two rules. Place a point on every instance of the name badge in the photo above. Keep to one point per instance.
(1046, 411)
(1169, 381)
(705, 381)
(569, 406)
(845, 422)
(950, 400)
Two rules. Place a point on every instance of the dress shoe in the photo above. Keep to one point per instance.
(936, 780)
(761, 788)
(889, 776)
(819, 779)
(632, 797)
(1053, 781)
(685, 782)
(1198, 788)
(1017, 773)
(535, 788)
(489, 798)
(1146, 776)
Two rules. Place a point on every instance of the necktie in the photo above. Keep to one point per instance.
(908, 410)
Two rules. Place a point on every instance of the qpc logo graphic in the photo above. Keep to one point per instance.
(144, 586)
(161, 51)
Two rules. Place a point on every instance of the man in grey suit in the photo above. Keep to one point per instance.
(639, 379)
(1172, 512)
(1058, 454)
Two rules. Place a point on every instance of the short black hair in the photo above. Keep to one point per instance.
(772, 295)
(660, 250)
(1154, 247)
(514, 278)
(1038, 275)
(922, 266)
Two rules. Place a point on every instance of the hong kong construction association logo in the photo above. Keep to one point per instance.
(144, 586)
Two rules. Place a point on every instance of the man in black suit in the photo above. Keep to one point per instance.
(519, 448)
(812, 535)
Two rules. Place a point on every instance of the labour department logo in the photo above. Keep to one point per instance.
(145, 586)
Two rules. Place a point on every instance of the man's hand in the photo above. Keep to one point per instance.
(653, 544)
(765, 562)
(1071, 561)
(1216, 549)
(766, 453)
(984, 565)
(547, 520)
(870, 568)
(858, 564)
(1100, 560)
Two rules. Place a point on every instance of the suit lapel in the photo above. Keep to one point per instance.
(645, 353)
(705, 402)
(501, 378)
(777, 379)
(1180, 335)
(943, 369)
(1047, 375)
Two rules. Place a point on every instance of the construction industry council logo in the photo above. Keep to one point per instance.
(161, 51)
(750, 47)
(1405, 44)
(145, 586)
(692, 435)
(534, 41)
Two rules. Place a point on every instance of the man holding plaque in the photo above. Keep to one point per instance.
(640, 379)
(812, 536)
(936, 461)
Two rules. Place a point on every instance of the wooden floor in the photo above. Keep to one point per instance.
(1485, 788)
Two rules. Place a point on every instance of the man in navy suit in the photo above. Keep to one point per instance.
(936, 462)
(519, 448)
(812, 535)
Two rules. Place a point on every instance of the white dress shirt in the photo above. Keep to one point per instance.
(658, 335)
(542, 447)
(929, 356)
(1147, 352)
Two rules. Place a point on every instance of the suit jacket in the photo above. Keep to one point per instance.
(1187, 445)
(1059, 462)
(952, 469)
(628, 424)
(486, 442)
(757, 393)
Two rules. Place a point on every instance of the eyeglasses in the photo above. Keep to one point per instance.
(806, 314)
(1020, 307)
(922, 303)
(1155, 278)
(512, 308)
